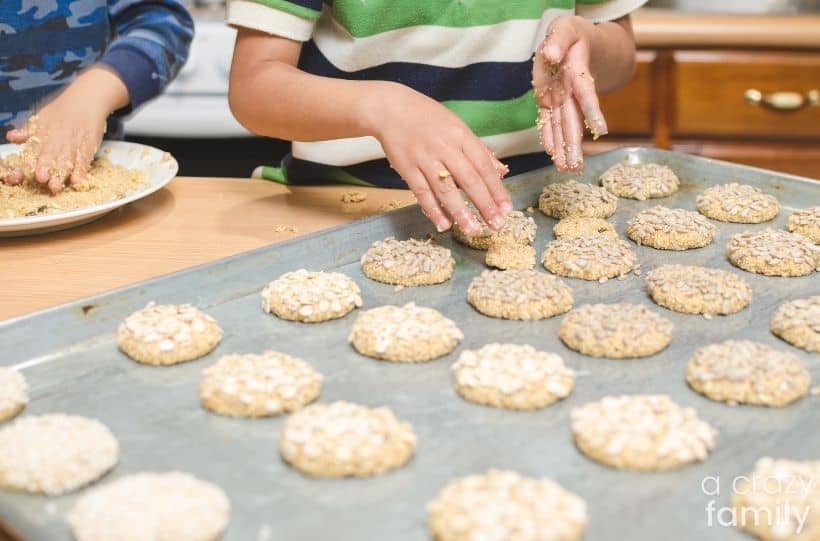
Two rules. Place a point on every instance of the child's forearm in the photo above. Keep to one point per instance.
(279, 100)
(612, 54)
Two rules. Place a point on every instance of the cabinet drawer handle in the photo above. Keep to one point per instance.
(783, 101)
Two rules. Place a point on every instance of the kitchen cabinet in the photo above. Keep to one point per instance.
(758, 105)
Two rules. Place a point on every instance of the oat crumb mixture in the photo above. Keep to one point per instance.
(105, 181)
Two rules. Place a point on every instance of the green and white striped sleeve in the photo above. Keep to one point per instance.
(292, 19)
(599, 11)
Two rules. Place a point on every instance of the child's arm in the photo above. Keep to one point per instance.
(429, 146)
(151, 44)
(578, 59)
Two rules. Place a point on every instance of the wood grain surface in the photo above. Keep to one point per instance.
(192, 221)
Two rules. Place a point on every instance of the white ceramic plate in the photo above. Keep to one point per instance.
(159, 168)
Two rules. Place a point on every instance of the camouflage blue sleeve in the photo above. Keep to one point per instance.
(150, 46)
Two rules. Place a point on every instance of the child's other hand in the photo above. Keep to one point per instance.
(436, 154)
(63, 136)
(565, 91)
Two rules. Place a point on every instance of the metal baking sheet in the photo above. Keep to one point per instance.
(71, 361)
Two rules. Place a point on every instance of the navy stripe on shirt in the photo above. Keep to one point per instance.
(480, 81)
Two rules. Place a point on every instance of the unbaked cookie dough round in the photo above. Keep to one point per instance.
(407, 262)
(773, 252)
(512, 376)
(311, 296)
(739, 203)
(572, 198)
(13, 393)
(54, 454)
(670, 229)
(806, 222)
(698, 290)
(640, 181)
(262, 385)
(589, 258)
(344, 439)
(151, 507)
(583, 227)
(615, 331)
(478, 242)
(641, 432)
(768, 502)
(518, 227)
(798, 323)
(163, 334)
(745, 372)
(510, 256)
(519, 294)
(406, 333)
(505, 506)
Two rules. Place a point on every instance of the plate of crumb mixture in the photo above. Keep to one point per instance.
(120, 174)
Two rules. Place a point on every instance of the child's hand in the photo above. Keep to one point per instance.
(63, 136)
(565, 91)
(436, 154)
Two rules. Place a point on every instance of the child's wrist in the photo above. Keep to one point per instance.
(375, 105)
(99, 89)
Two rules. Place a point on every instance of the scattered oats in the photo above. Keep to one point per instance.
(670, 229)
(589, 258)
(519, 294)
(572, 198)
(698, 290)
(285, 228)
(775, 486)
(512, 376)
(395, 204)
(398, 287)
(151, 507)
(54, 454)
(707, 316)
(806, 222)
(311, 296)
(737, 203)
(13, 393)
(815, 391)
(530, 210)
(406, 333)
(641, 432)
(407, 262)
(616, 331)
(354, 196)
(640, 181)
(168, 334)
(748, 373)
(344, 439)
(253, 385)
(773, 252)
(798, 323)
(506, 506)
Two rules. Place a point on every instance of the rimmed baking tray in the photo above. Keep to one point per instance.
(72, 364)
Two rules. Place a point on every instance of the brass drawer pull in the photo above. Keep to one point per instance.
(783, 101)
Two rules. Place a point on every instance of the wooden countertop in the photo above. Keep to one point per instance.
(190, 222)
(666, 28)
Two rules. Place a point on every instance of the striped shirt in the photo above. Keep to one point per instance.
(473, 56)
(44, 45)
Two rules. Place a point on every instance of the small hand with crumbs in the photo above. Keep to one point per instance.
(62, 137)
(436, 154)
(565, 91)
